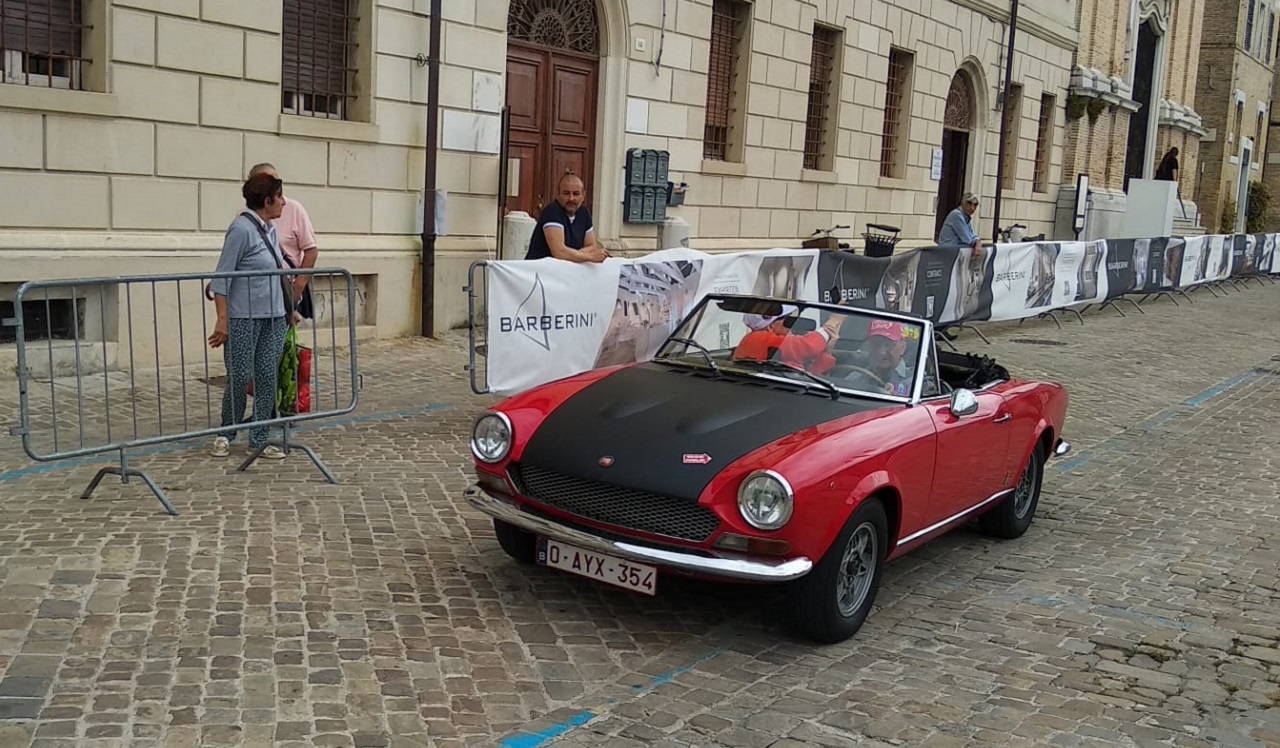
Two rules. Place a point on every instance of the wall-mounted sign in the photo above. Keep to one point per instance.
(1082, 203)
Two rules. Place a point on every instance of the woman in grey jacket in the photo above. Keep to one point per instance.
(253, 313)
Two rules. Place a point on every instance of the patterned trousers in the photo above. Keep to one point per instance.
(252, 352)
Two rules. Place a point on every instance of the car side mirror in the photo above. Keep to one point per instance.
(963, 403)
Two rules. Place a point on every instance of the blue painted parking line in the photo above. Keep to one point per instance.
(532, 738)
(1117, 443)
(542, 737)
(51, 467)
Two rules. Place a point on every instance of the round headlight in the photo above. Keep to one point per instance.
(491, 437)
(765, 500)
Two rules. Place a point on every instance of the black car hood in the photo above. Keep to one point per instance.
(658, 421)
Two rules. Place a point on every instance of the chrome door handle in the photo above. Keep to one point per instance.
(1003, 418)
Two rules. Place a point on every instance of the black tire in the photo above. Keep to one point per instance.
(1011, 518)
(520, 545)
(815, 607)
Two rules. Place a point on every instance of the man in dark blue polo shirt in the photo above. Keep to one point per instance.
(564, 229)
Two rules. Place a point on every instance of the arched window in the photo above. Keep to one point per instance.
(959, 112)
(571, 25)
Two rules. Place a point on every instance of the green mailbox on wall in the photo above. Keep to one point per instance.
(646, 188)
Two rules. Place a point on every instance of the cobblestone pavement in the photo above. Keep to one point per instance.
(1142, 608)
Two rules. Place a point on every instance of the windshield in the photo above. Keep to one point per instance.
(856, 351)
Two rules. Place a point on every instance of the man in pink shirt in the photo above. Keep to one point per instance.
(297, 237)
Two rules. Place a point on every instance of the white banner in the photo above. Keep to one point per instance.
(1035, 277)
(550, 319)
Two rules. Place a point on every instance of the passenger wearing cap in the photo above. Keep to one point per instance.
(770, 334)
(882, 354)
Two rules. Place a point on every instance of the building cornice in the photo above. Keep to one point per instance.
(1094, 84)
(1025, 25)
(1180, 117)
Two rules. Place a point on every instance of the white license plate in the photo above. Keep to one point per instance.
(609, 569)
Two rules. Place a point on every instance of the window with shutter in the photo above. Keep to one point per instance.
(1271, 32)
(896, 99)
(319, 60)
(1248, 26)
(818, 133)
(1044, 143)
(41, 42)
(728, 29)
(1013, 122)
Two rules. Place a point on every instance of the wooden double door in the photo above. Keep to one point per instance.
(552, 99)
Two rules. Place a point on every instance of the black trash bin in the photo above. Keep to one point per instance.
(880, 240)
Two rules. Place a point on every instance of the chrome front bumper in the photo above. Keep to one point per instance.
(724, 567)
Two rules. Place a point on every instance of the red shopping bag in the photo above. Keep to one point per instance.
(304, 380)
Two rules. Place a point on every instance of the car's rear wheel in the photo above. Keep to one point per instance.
(830, 603)
(520, 545)
(1013, 516)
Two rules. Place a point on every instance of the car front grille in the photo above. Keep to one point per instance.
(616, 506)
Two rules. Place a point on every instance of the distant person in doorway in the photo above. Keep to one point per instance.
(957, 229)
(564, 229)
(1168, 168)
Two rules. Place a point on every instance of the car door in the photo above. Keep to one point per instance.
(972, 454)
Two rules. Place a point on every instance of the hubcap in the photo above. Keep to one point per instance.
(857, 568)
(1026, 489)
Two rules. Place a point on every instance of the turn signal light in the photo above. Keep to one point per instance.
(756, 546)
(492, 482)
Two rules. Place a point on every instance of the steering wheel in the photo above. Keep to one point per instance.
(861, 370)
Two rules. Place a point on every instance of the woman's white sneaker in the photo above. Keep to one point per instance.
(221, 446)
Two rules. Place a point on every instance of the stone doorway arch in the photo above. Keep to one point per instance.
(959, 123)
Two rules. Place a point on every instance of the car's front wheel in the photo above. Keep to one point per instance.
(1013, 516)
(830, 603)
(520, 545)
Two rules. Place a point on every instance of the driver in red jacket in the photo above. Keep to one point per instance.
(811, 351)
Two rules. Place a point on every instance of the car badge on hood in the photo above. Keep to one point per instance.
(701, 459)
(606, 461)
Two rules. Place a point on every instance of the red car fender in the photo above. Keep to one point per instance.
(832, 469)
(869, 484)
(1049, 419)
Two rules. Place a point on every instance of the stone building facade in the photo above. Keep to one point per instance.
(1132, 98)
(129, 127)
(1233, 94)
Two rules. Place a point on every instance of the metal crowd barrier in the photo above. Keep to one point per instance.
(477, 327)
(120, 364)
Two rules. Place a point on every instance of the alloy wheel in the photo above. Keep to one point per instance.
(857, 569)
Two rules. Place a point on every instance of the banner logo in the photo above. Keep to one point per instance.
(532, 320)
(1008, 276)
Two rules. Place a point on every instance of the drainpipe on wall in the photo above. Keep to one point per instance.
(1004, 119)
(428, 294)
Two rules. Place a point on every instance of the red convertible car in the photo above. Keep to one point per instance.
(771, 442)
